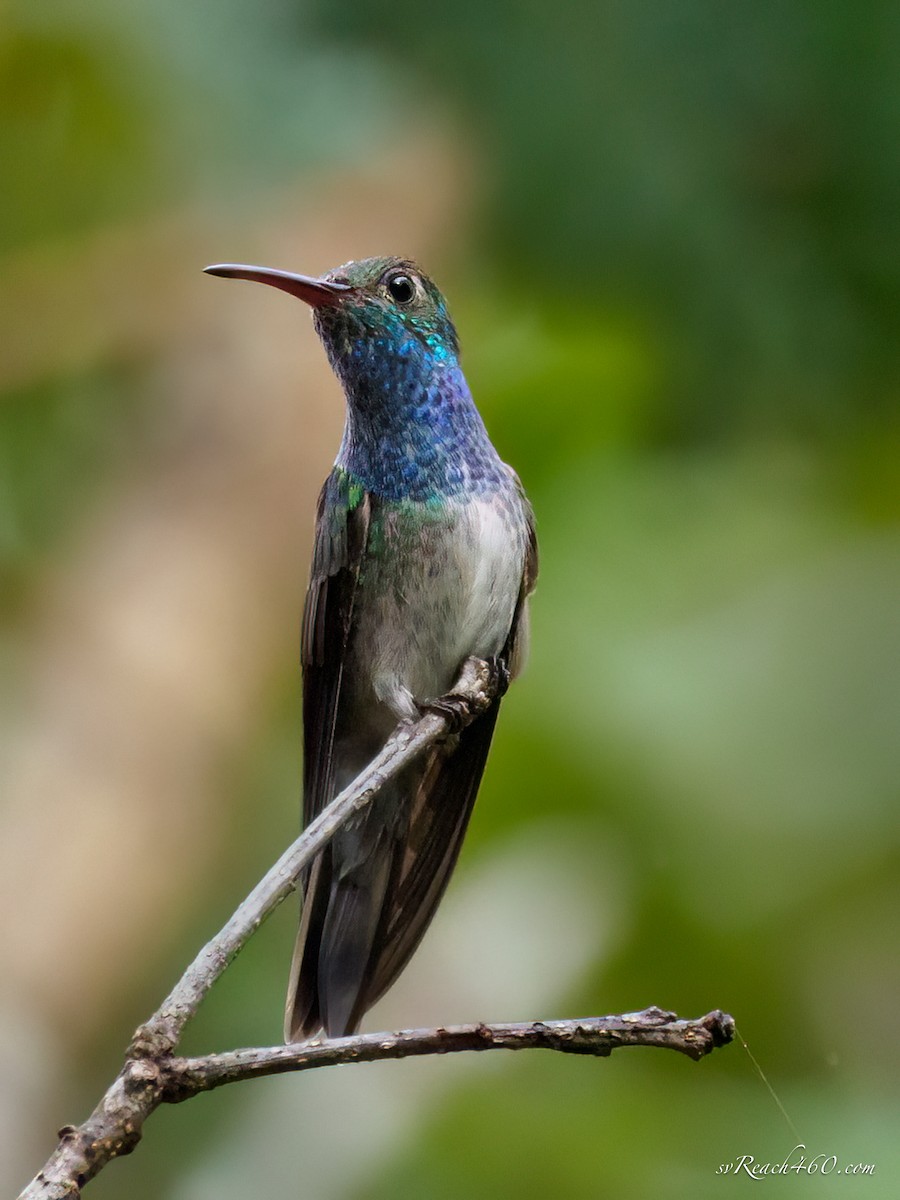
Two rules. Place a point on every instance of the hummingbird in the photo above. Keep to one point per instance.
(424, 556)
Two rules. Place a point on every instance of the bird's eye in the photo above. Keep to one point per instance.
(401, 288)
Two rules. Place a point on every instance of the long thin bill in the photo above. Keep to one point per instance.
(315, 292)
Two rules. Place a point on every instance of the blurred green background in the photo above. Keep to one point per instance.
(669, 235)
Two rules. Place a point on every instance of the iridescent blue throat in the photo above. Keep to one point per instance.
(412, 431)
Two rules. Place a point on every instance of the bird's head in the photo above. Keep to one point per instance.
(376, 317)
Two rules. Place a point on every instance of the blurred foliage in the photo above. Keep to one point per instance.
(729, 172)
(56, 440)
(678, 299)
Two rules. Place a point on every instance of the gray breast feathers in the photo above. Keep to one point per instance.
(444, 586)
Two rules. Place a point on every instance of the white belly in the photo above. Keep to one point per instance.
(446, 589)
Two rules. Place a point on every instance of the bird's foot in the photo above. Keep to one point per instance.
(490, 678)
(456, 710)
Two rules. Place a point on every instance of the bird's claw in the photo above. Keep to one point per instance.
(456, 710)
(459, 710)
(499, 676)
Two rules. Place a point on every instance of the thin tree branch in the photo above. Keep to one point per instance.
(152, 1075)
(114, 1128)
(598, 1036)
